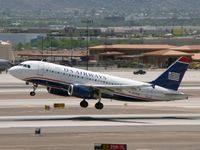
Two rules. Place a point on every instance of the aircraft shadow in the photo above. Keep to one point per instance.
(106, 119)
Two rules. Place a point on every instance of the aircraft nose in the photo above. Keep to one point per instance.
(13, 71)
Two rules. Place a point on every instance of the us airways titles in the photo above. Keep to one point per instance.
(86, 74)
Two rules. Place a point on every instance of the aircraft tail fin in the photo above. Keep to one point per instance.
(173, 76)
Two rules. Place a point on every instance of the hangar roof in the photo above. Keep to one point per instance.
(187, 48)
(111, 53)
(196, 57)
(54, 53)
(132, 47)
(167, 53)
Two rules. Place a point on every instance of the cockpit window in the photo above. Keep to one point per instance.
(25, 65)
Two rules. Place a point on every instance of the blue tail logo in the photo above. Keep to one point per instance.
(173, 76)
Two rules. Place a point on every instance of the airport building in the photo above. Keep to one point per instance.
(154, 55)
(59, 56)
(6, 51)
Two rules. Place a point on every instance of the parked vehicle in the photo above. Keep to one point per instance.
(140, 71)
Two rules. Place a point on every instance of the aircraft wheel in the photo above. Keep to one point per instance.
(84, 103)
(32, 93)
(99, 105)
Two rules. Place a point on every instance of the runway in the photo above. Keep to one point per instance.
(159, 125)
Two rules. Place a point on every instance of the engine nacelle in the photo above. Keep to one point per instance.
(82, 91)
(56, 91)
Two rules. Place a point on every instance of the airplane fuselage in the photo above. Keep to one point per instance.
(58, 76)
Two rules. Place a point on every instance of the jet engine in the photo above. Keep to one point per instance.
(56, 91)
(82, 91)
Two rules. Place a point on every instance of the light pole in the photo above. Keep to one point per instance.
(71, 49)
(51, 48)
(87, 21)
(42, 47)
(69, 31)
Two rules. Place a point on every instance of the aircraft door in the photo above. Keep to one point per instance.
(40, 71)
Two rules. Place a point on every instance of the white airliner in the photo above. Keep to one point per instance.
(93, 85)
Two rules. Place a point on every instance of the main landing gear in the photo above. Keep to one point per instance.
(84, 103)
(98, 105)
(32, 93)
